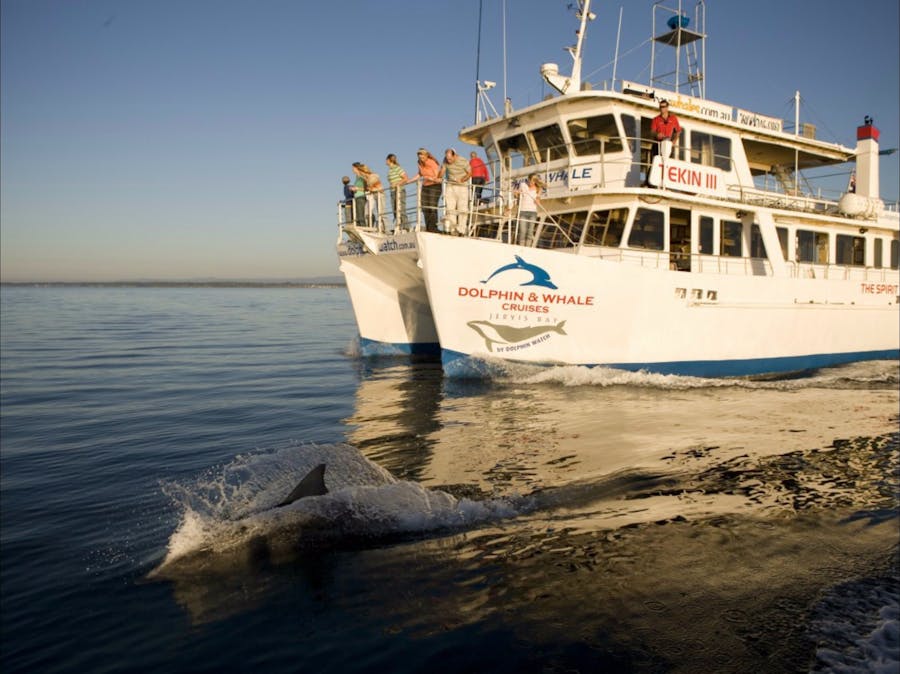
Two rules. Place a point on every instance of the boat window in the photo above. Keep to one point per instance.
(730, 238)
(565, 232)
(878, 253)
(783, 240)
(590, 134)
(851, 250)
(711, 150)
(629, 125)
(648, 230)
(757, 245)
(895, 254)
(605, 228)
(812, 246)
(491, 153)
(549, 143)
(706, 235)
(515, 151)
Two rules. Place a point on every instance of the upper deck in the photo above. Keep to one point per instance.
(591, 140)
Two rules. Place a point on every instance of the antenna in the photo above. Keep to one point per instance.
(484, 106)
(616, 59)
(478, 61)
(550, 71)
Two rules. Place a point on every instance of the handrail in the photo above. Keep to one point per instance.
(616, 169)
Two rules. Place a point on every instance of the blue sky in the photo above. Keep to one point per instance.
(174, 140)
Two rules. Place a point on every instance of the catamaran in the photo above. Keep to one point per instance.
(702, 257)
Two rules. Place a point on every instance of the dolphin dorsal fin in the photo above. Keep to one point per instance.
(311, 485)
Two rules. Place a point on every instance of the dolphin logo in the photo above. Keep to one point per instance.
(539, 276)
(493, 333)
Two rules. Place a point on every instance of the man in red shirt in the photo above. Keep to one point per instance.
(480, 175)
(664, 126)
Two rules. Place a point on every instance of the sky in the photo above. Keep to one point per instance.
(197, 139)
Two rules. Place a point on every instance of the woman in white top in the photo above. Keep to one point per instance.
(529, 201)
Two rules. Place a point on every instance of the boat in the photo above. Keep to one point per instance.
(706, 257)
(386, 288)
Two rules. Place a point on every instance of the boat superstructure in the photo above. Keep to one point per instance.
(707, 258)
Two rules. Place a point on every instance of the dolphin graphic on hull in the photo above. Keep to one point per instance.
(494, 333)
(539, 276)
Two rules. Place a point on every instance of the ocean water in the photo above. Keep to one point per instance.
(560, 520)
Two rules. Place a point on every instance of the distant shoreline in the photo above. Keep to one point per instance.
(172, 284)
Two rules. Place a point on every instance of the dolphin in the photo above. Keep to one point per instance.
(313, 484)
(508, 334)
(539, 277)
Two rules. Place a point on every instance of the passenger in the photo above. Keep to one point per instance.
(374, 195)
(397, 180)
(480, 176)
(456, 200)
(429, 172)
(359, 195)
(348, 199)
(528, 193)
(665, 126)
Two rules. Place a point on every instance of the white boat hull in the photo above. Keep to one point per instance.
(388, 295)
(492, 300)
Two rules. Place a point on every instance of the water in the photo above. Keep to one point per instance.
(549, 520)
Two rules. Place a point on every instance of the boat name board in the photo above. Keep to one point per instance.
(688, 177)
(751, 119)
(709, 109)
(351, 249)
(879, 288)
(575, 176)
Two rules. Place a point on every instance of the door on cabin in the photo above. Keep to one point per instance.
(679, 239)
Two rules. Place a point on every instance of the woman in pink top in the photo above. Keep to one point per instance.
(430, 173)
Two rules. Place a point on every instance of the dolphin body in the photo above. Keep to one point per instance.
(492, 333)
(364, 503)
(539, 277)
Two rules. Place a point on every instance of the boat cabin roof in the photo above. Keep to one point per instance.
(764, 147)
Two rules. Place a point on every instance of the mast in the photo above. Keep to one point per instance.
(550, 71)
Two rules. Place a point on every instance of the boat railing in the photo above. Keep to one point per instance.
(618, 163)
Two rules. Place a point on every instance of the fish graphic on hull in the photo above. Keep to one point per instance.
(539, 275)
(494, 333)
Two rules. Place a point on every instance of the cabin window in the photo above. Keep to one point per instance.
(783, 240)
(812, 246)
(566, 232)
(878, 254)
(629, 124)
(850, 250)
(730, 238)
(589, 134)
(711, 150)
(549, 143)
(648, 230)
(606, 228)
(516, 152)
(706, 235)
(757, 245)
(895, 254)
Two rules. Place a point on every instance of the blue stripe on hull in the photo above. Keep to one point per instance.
(460, 366)
(369, 347)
